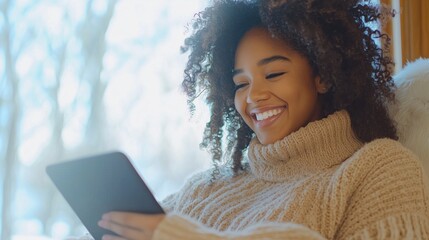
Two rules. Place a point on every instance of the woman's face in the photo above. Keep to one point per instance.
(276, 89)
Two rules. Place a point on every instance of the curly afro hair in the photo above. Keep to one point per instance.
(334, 35)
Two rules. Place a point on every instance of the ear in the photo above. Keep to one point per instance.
(322, 87)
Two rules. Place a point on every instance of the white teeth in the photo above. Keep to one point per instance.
(267, 114)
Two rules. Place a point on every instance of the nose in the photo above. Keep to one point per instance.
(257, 92)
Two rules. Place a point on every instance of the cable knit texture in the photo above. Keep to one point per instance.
(318, 182)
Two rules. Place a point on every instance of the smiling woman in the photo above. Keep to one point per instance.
(302, 88)
(296, 89)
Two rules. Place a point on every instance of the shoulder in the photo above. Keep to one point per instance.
(201, 184)
(211, 176)
(385, 180)
(384, 154)
(385, 167)
(384, 147)
(200, 187)
(384, 164)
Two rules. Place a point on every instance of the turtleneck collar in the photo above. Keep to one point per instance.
(313, 148)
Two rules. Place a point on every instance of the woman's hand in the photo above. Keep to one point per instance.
(130, 226)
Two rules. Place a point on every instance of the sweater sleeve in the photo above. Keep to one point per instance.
(175, 227)
(391, 200)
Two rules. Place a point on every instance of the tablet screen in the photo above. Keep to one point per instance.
(99, 184)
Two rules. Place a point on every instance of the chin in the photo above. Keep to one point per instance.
(268, 140)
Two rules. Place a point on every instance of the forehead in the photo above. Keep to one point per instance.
(258, 43)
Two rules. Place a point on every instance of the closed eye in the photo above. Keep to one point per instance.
(239, 86)
(273, 75)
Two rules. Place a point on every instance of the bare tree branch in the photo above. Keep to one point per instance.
(9, 165)
(92, 35)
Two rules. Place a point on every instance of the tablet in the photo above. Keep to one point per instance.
(99, 184)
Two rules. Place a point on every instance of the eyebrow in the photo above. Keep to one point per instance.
(264, 61)
(272, 59)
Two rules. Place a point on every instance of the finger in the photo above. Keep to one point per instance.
(124, 231)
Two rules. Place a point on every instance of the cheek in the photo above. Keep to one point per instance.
(240, 105)
(304, 94)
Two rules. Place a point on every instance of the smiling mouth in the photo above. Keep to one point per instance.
(267, 114)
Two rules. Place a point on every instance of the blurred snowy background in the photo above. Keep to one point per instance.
(83, 77)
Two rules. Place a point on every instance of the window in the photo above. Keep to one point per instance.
(83, 77)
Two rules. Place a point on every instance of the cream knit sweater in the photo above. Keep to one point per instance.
(319, 182)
